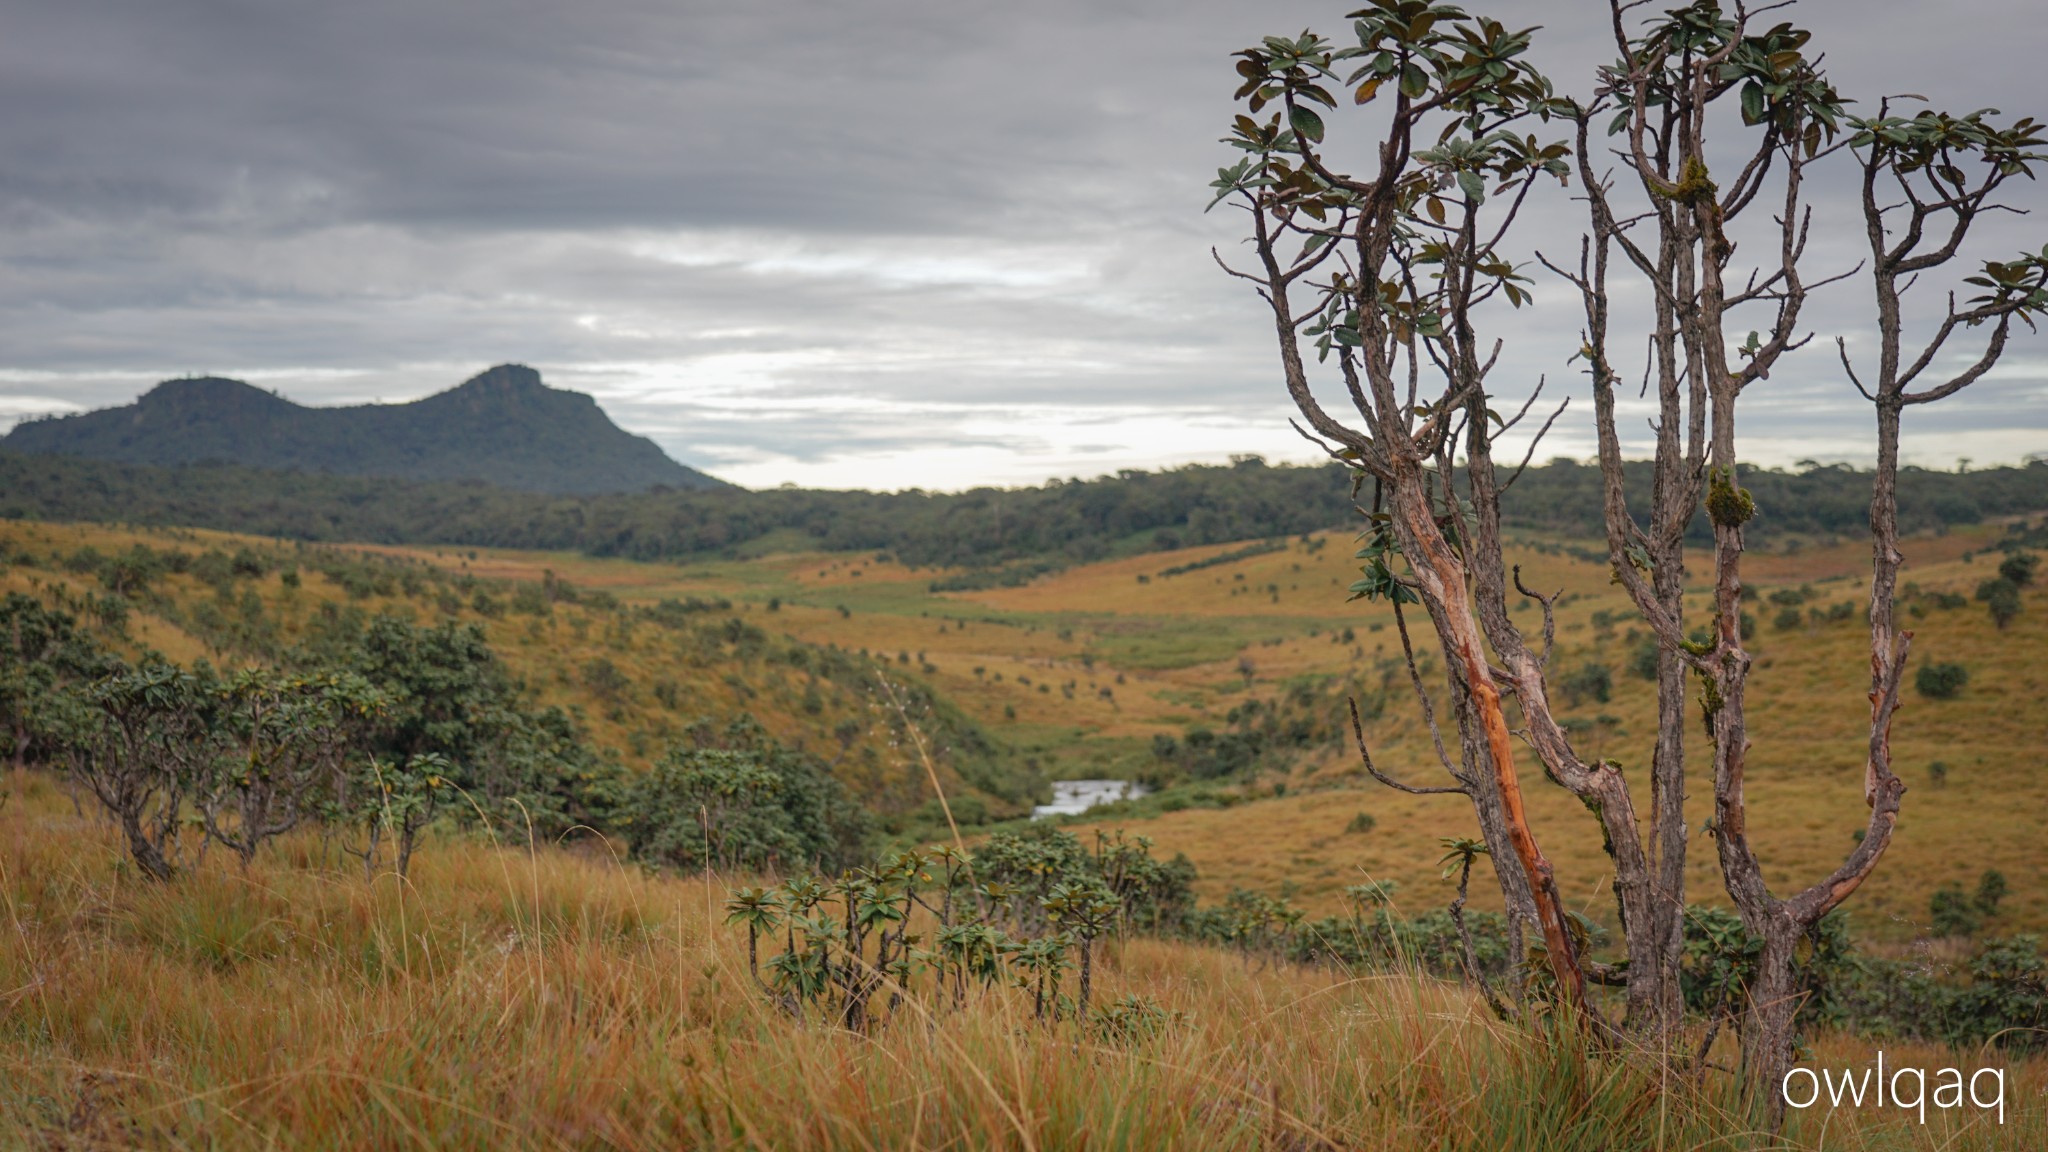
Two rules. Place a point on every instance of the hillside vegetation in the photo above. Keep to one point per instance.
(1221, 682)
(628, 679)
(1005, 536)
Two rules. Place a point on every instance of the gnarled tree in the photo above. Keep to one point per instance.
(1384, 276)
(1661, 95)
(1383, 279)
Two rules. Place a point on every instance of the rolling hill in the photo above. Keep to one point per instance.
(504, 427)
(1217, 673)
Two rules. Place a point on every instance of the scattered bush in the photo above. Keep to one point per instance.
(605, 681)
(739, 800)
(1791, 597)
(1642, 661)
(1591, 680)
(1361, 823)
(1953, 912)
(1938, 681)
(1991, 888)
(2002, 596)
(2018, 567)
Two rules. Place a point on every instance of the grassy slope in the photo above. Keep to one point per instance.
(511, 998)
(551, 654)
(1169, 653)
(1177, 642)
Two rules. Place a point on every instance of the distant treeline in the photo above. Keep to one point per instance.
(1062, 521)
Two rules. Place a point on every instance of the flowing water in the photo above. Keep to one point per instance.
(1073, 797)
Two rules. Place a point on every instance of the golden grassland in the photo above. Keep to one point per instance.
(1083, 667)
(513, 996)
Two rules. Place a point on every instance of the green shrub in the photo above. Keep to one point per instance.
(1642, 662)
(2019, 568)
(1592, 680)
(605, 681)
(1954, 913)
(1938, 681)
(2002, 596)
(739, 800)
(1991, 889)
(1362, 823)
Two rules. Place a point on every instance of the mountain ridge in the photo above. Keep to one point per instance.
(503, 426)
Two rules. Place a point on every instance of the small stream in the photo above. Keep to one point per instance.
(1073, 797)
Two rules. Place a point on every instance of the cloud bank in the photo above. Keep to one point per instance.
(884, 245)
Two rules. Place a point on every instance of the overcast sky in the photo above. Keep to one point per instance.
(875, 244)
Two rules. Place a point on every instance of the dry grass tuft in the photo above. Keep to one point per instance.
(514, 997)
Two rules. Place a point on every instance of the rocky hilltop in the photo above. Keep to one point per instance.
(504, 427)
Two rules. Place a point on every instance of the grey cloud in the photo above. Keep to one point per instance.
(782, 235)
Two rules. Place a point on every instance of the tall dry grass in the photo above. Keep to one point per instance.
(511, 996)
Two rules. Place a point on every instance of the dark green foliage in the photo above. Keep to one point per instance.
(1991, 889)
(1222, 558)
(1007, 576)
(1642, 659)
(42, 653)
(1790, 597)
(2002, 999)
(545, 775)
(1787, 619)
(447, 695)
(1939, 681)
(269, 748)
(447, 692)
(397, 801)
(134, 740)
(1024, 867)
(605, 681)
(997, 922)
(983, 528)
(1268, 734)
(1361, 823)
(1718, 964)
(1833, 614)
(1953, 913)
(1591, 680)
(1025, 909)
(2018, 567)
(737, 799)
(2002, 596)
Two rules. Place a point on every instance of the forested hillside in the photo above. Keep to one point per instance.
(503, 426)
(1016, 532)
